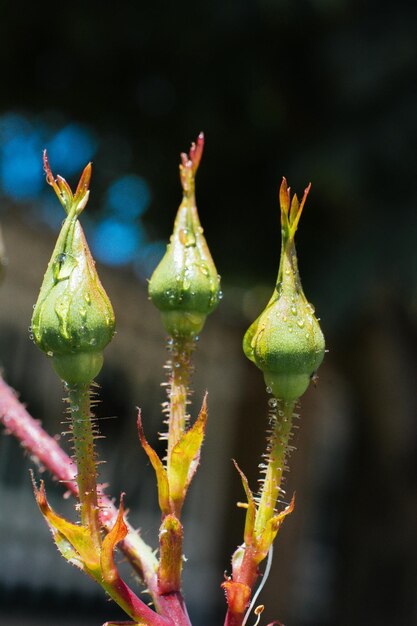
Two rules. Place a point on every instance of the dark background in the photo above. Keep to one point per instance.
(320, 90)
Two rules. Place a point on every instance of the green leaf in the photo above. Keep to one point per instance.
(73, 541)
(161, 475)
(251, 508)
(185, 457)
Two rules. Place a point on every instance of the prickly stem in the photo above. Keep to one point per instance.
(84, 453)
(178, 389)
(281, 416)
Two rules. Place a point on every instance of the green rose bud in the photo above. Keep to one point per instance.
(185, 286)
(286, 341)
(73, 319)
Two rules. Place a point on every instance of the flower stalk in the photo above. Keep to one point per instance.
(81, 420)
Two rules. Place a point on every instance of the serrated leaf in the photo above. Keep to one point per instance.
(251, 510)
(161, 475)
(185, 457)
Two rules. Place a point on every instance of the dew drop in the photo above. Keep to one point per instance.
(272, 402)
(204, 269)
(294, 310)
(300, 323)
(268, 390)
(187, 237)
(50, 353)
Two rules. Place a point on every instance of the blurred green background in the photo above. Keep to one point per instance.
(320, 90)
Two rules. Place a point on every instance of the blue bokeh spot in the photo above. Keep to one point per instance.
(71, 148)
(21, 166)
(115, 242)
(128, 197)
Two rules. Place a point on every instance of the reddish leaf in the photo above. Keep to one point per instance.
(117, 534)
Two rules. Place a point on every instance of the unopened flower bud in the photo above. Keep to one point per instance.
(185, 286)
(73, 319)
(286, 341)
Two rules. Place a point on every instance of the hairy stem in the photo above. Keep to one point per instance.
(277, 448)
(181, 369)
(239, 590)
(83, 441)
(48, 453)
